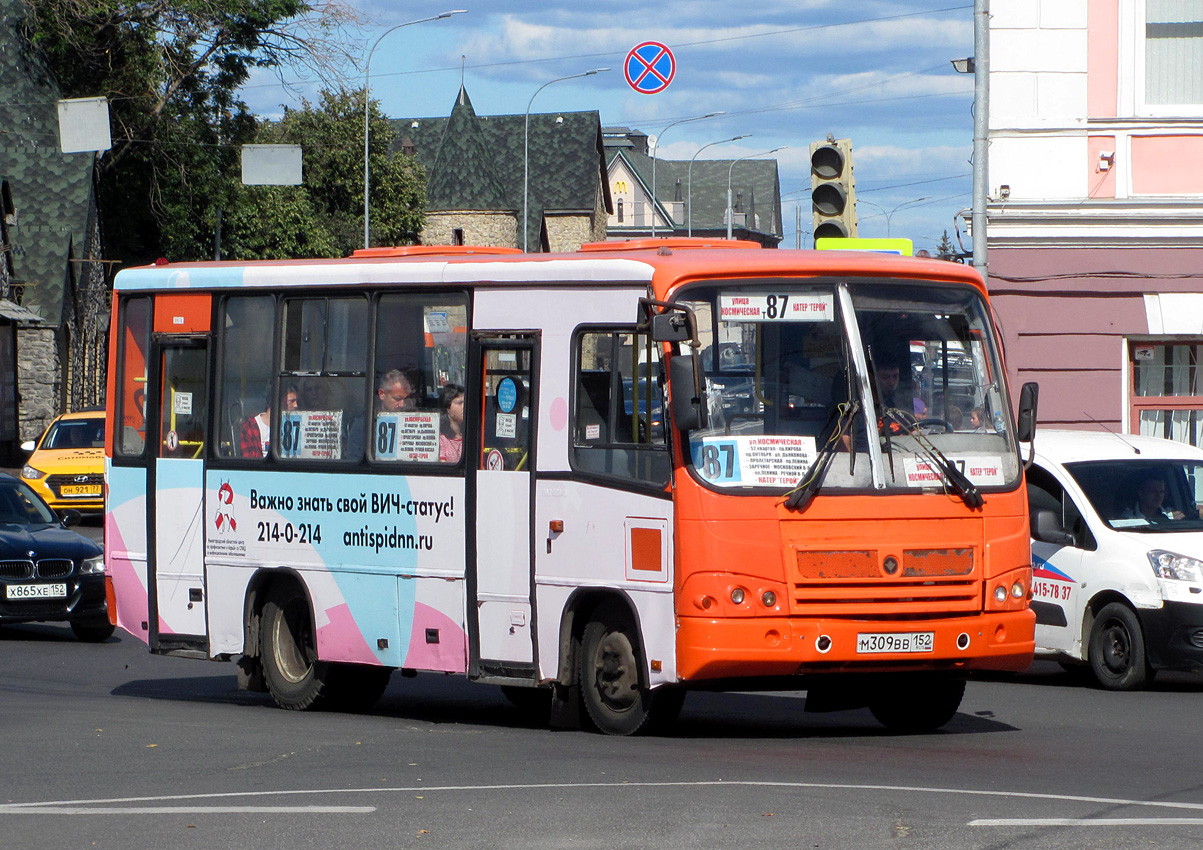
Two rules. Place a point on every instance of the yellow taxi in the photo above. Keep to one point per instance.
(67, 465)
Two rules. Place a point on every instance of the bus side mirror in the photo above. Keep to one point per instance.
(671, 327)
(688, 399)
(1025, 424)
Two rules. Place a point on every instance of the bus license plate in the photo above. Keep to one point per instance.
(37, 591)
(80, 490)
(895, 642)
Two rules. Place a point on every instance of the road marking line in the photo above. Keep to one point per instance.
(182, 810)
(1086, 822)
(26, 808)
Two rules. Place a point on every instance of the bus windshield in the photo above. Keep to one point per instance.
(897, 380)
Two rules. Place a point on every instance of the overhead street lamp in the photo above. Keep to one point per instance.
(889, 215)
(730, 171)
(656, 149)
(367, 88)
(689, 179)
(526, 145)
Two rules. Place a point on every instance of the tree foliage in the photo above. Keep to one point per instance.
(946, 251)
(171, 70)
(324, 216)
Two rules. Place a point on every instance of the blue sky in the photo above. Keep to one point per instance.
(788, 72)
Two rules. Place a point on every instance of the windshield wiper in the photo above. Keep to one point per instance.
(953, 477)
(804, 491)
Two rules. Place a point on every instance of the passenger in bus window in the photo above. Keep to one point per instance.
(451, 423)
(396, 392)
(255, 436)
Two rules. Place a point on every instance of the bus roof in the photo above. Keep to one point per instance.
(662, 263)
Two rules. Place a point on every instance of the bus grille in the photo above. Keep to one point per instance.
(856, 583)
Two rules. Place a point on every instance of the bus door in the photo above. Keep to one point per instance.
(501, 601)
(176, 512)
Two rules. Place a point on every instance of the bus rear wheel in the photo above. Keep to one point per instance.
(608, 674)
(294, 677)
(915, 704)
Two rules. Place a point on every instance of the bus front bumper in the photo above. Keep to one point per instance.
(784, 646)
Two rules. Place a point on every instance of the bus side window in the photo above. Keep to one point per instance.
(325, 355)
(246, 370)
(618, 427)
(131, 384)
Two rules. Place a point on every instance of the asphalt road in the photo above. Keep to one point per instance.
(107, 746)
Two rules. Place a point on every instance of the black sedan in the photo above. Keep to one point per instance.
(47, 571)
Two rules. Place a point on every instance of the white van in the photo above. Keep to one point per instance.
(1117, 553)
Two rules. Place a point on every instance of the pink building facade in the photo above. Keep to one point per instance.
(1095, 212)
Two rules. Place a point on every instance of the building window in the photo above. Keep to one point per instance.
(1171, 47)
(620, 211)
(1167, 390)
(457, 236)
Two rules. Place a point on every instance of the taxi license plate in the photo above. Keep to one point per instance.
(58, 590)
(79, 490)
(895, 642)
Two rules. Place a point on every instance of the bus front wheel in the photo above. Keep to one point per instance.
(608, 674)
(294, 677)
(916, 704)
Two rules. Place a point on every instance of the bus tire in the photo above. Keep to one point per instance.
(294, 677)
(911, 705)
(1117, 649)
(608, 674)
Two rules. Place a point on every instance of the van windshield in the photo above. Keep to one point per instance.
(1148, 496)
(896, 378)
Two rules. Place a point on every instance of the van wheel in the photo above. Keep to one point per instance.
(608, 674)
(1117, 649)
(294, 677)
(915, 704)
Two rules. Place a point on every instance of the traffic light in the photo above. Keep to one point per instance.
(833, 188)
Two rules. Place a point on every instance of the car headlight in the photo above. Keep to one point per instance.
(92, 566)
(31, 474)
(1174, 566)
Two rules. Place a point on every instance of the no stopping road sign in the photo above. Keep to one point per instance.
(650, 67)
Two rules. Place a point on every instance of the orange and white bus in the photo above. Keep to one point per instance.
(607, 476)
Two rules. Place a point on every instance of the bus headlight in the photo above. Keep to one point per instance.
(1000, 594)
(1171, 565)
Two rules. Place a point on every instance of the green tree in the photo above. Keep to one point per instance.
(324, 216)
(945, 250)
(171, 69)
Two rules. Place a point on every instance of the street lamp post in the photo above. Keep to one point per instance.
(656, 149)
(367, 88)
(526, 145)
(889, 215)
(689, 179)
(730, 171)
